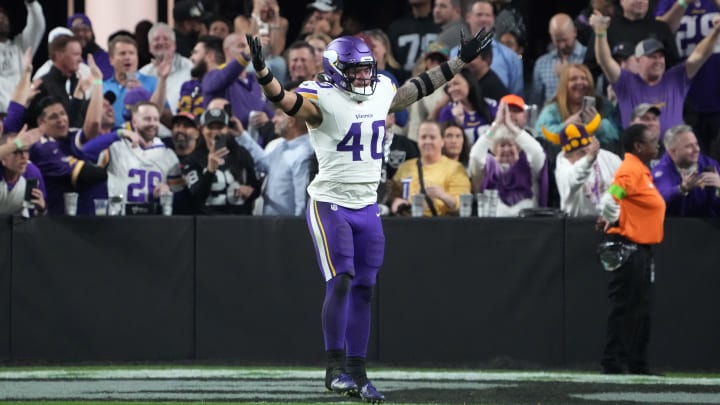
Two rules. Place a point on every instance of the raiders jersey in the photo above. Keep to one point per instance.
(348, 143)
(134, 172)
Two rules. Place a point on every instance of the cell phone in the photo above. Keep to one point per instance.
(264, 29)
(588, 101)
(228, 109)
(220, 142)
(130, 76)
(30, 184)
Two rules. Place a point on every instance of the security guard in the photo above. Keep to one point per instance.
(633, 213)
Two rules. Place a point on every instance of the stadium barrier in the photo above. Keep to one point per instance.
(452, 292)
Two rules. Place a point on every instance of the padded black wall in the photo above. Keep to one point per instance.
(469, 291)
(89, 288)
(259, 291)
(5, 271)
(451, 292)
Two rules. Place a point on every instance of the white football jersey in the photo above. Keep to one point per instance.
(134, 172)
(348, 143)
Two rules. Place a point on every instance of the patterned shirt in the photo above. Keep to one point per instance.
(545, 76)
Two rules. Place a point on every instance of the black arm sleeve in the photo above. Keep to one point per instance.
(91, 174)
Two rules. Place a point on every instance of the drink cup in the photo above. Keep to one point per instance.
(406, 187)
(166, 202)
(116, 205)
(418, 205)
(466, 201)
(482, 204)
(101, 205)
(71, 200)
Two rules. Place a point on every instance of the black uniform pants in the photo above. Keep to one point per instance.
(630, 291)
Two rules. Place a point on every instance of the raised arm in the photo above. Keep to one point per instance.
(426, 83)
(162, 68)
(93, 116)
(703, 50)
(292, 103)
(21, 97)
(609, 66)
(34, 29)
(673, 16)
(25, 139)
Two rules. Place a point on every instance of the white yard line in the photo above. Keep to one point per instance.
(472, 376)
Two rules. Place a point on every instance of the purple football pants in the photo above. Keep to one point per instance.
(347, 242)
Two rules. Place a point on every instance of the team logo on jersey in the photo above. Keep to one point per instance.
(334, 207)
(396, 157)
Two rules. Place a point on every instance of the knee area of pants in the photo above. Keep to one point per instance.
(341, 284)
(363, 292)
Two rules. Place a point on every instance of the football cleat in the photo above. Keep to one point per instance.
(343, 384)
(369, 393)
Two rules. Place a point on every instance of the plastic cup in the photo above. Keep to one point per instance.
(417, 208)
(166, 203)
(71, 200)
(466, 201)
(101, 205)
(482, 204)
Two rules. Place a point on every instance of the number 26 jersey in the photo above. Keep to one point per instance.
(348, 143)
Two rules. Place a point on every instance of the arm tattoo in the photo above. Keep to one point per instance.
(408, 93)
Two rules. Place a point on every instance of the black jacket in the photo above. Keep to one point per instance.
(213, 193)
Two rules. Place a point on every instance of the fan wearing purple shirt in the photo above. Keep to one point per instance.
(691, 21)
(666, 89)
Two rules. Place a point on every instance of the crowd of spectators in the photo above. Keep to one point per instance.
(178, 110)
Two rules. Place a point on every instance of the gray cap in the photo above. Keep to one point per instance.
(643, 109)
(647, 47)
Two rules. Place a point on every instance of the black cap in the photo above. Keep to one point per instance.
(214, 115)
(326, 5)
(622, 50)
(110, 97)
(185, 117)
(188, 10)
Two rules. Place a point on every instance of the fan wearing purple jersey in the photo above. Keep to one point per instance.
(691, 21)
(345, 112)
(59, 157)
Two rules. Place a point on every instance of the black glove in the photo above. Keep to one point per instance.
(471, 48)
(258, 60)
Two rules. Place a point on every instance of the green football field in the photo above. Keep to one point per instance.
(252, 385)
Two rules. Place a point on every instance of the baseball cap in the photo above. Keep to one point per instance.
(133, 97)
(110, 96)
(514, 100)
(622, 50)
(648, 46)
(188, 10)
(643, 109)
(58, 31)
(326, 5)
(214, 115)
(185, 117)
(78, 19)
(437, 50)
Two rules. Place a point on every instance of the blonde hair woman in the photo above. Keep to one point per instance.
(569, 106)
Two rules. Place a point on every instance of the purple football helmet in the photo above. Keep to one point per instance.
(350, 52)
